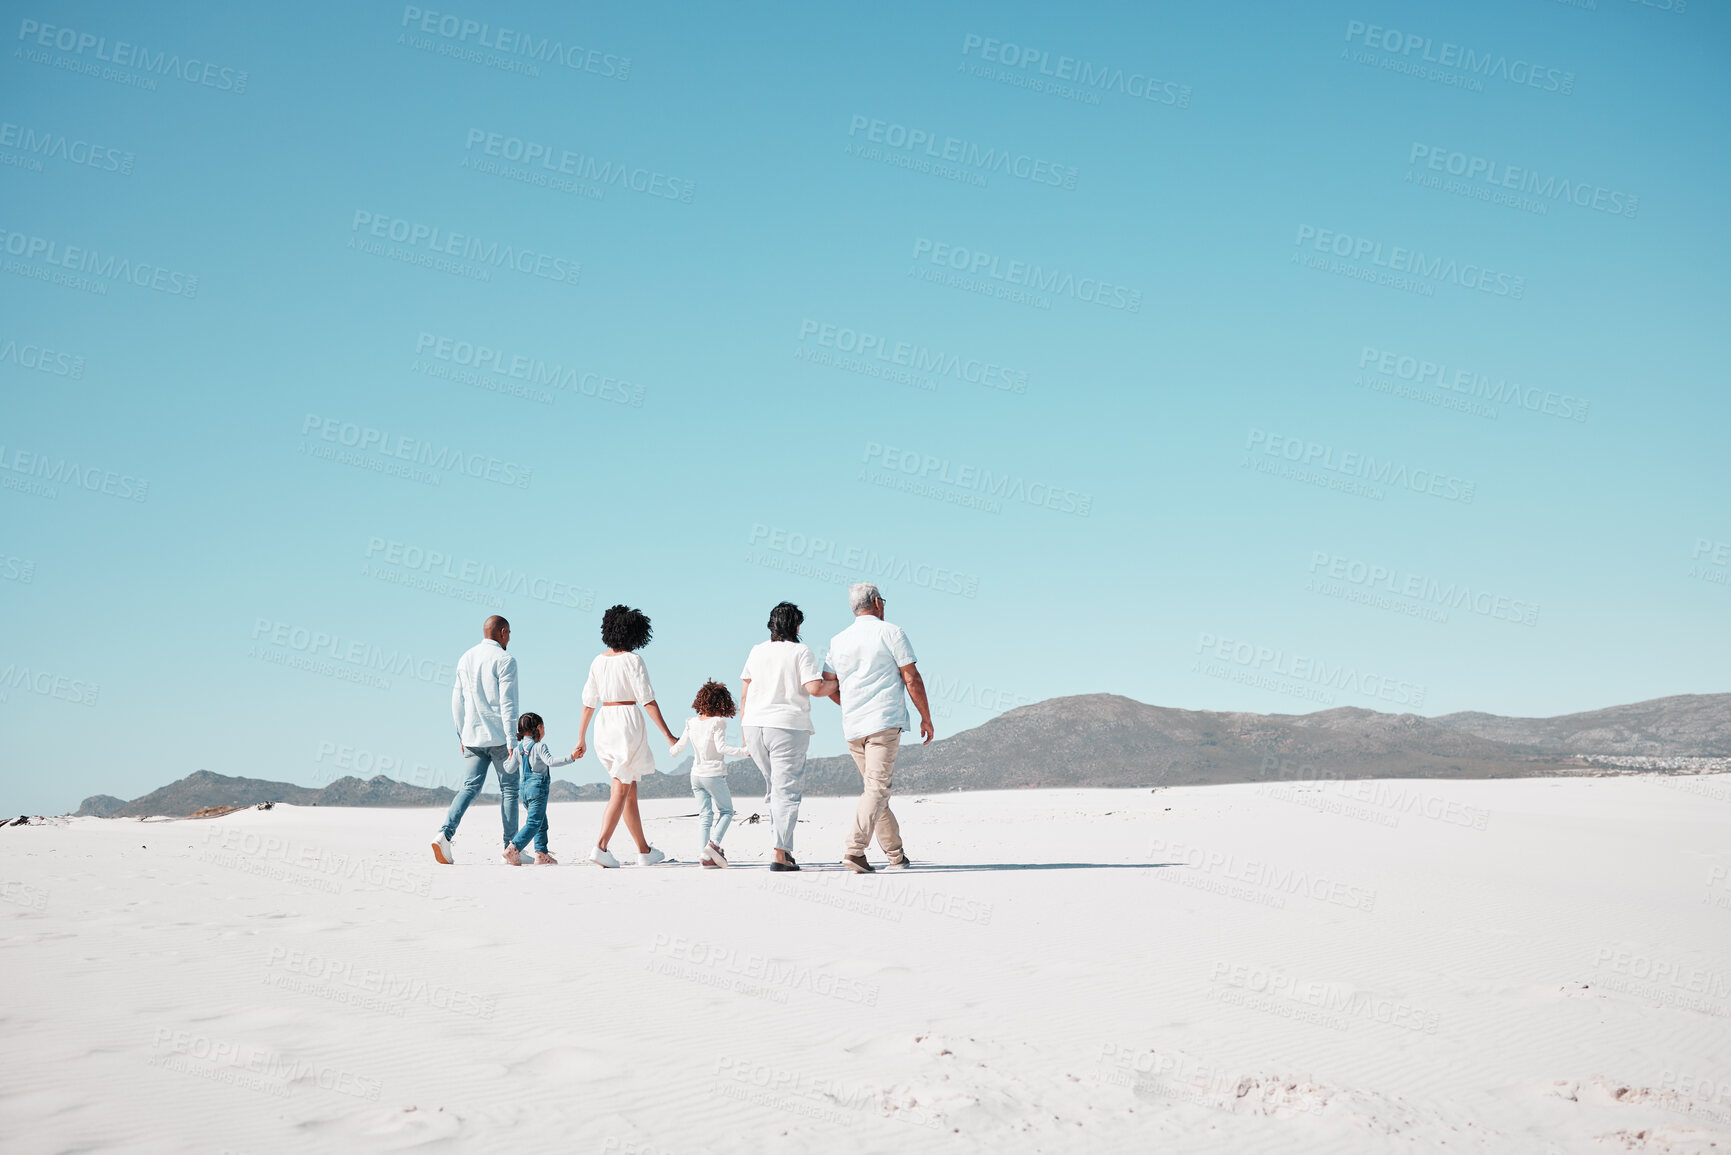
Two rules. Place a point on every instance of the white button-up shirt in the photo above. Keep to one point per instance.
(867, 658)
(484, 700)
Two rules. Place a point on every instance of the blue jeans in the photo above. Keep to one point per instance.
(714, 803)
(477, 759)
(535, 790)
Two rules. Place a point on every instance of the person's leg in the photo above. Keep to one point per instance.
(787, 789)
(509, 786)
(475, 763)
(759, 753)
(888, 830)
(634, 820)
(705, 810)
(534, 813)
(723, 808)
(610, 816)
(546, 797)
(874, 771)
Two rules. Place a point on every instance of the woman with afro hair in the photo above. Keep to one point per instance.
(618, 684)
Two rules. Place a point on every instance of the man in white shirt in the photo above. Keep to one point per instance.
(873, 662)
(484, 707)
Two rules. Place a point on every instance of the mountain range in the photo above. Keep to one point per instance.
(1108, 740)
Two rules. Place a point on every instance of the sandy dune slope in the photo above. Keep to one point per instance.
(1498, 966)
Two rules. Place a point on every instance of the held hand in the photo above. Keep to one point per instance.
(926, 731)
(578, 752)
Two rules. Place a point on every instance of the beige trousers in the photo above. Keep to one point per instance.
(875, 755)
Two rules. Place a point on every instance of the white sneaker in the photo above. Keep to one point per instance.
(602, 858)
(651, 857)
(512, 855)
(442, 850)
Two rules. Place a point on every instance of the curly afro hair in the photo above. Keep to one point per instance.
(714, 700)
(784, 622)
(623, 628)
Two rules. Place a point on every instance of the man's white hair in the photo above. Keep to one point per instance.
(861, 595)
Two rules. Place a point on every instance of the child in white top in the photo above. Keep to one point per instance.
(706, 735)
(618, 684)
(534, 762)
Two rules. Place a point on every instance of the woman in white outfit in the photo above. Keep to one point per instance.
(781, 677)
(618, 684)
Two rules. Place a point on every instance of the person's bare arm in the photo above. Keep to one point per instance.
(917, 691)
(654, 711)
(824, 687)
(583, 733)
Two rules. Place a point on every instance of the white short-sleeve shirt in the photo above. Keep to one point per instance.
(778, 672)
(867, 658)
(617, 678)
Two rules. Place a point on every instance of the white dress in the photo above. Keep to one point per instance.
(621, 739)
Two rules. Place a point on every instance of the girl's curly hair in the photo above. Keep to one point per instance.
(714, 700)
(623, 628)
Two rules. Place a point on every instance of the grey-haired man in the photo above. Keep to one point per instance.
(873, 663)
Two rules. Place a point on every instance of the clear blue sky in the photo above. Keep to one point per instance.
(1062, 493)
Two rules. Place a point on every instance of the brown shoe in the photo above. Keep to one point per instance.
(542, 858)
(858, 864)
(512, 855)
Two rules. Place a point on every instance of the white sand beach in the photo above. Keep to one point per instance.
(1539, 965)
